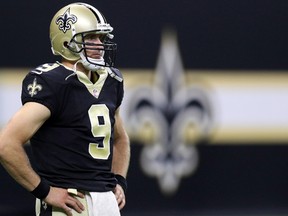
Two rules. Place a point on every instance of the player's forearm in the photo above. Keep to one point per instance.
(14, 159)
(121, 156)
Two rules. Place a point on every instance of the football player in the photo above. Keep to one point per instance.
(71, 117)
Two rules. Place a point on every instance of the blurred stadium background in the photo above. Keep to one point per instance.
(206, 101)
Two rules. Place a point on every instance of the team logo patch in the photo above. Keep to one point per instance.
(64, 21)
(44, 205)
(95, 93)
(34, 88)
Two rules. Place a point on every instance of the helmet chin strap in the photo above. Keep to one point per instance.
(91, 63)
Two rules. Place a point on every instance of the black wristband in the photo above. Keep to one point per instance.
(42, 190)
(122, 182)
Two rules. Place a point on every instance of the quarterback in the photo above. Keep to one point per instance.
(70, 116)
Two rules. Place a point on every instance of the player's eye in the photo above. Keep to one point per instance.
(103, 37)
(90, 37)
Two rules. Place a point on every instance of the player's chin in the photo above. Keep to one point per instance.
(95, 56)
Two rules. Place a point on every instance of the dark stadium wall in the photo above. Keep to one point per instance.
(221, 34)
(223, 37)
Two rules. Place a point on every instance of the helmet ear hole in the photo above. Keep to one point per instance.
(66, 44)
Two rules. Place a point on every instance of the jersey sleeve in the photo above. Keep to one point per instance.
(120, 94)
(36, 89)
(119, 77)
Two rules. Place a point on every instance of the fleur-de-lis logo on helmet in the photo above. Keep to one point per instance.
(64, 20)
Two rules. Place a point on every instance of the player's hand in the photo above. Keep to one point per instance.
(59, 197)
(120, 196)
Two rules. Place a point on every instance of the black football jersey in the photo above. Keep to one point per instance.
(74, 147)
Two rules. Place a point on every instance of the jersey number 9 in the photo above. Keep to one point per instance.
(100, 128)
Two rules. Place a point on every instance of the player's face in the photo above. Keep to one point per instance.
(94, 45)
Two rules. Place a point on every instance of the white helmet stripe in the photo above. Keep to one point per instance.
(97, 13)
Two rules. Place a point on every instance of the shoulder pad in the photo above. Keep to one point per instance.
(115, 73)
